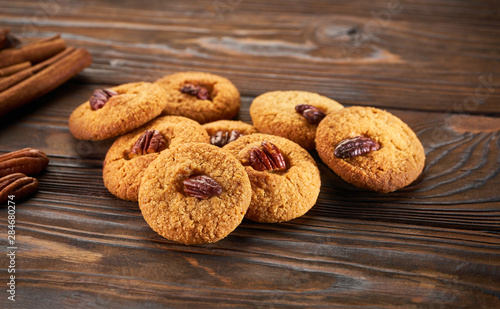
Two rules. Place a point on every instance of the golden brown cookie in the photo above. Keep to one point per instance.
(124, 164)
(116, 111)
(281, 194)
(276, 113)
(223, 132)
(398, 161)
(201, 96)
(183, 217)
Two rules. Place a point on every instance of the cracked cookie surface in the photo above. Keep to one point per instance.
(279, 196)
(397, 163)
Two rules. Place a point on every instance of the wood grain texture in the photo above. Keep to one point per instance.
(433, 54)
(434, 244)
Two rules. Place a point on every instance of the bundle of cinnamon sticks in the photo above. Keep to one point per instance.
(34, 69)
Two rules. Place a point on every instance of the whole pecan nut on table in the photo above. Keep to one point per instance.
(18, 185)
(356, 146)
(202, 187)
(28, 161)
(149, 142)
(267, 157)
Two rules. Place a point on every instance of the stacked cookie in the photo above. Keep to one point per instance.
(196, 174)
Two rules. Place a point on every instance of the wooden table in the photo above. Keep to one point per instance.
(435, 244)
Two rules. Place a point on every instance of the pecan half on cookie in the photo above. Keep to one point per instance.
(223, 132)
(202, 187)
(221, 138)
(312, 114)
(150, 141)
(267, 157)
(100, 97)
(356, 146)
(198, 91)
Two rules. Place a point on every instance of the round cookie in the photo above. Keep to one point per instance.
(274, 113)
(223, 103)
(279, 196)
(227, 127)
(134, 105)
(122, 175)
(395, 165)
(173, 214)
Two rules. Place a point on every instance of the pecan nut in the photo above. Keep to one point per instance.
(202, 187)
(198, 91)
(311, 113)
(356, 146)
(100, 97)
(267, 157)
(221, 138)
(17, 184)
(149, 142)
(28, 161)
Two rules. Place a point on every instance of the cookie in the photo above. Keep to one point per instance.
(398, 161)
(201, 96)
(282, 194)
(276, 113)
(223, 132)
(116, 111)
(124, 165)
(183, 217)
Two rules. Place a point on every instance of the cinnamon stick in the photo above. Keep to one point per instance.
(44, 81)
(34, 53)
(20, 76)
(8, 39)
(42, 65)
(43, 40)
(14, 79)
(3, 37)
(6, 71)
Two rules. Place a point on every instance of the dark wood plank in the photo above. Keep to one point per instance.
(323, 263)
(395, 249)
(425, 55)
(458, 187)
